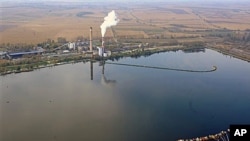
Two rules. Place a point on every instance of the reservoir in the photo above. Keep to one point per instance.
(126, 103)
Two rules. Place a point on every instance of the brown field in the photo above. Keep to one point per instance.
(31, 23)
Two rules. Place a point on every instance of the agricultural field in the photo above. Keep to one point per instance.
(37, 22)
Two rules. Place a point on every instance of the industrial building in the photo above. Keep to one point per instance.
(21, 54)
(72, 46)
(3, 55)
(14, 55)
(86, 48)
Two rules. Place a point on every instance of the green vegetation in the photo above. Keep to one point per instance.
(36, 62)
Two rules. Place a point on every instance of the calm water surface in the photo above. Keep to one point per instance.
(126, 103)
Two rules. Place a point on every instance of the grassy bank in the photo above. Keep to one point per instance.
(231, 52)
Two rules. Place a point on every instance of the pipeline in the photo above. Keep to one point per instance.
(222, 136)
(164, 68)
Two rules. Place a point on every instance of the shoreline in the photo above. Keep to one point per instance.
(137, 52)
(230, 53)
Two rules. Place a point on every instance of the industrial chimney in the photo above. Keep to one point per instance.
(103, 45)
(90, 40)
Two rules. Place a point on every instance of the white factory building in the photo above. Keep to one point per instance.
(72, 46)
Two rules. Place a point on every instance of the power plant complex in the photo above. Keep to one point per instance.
(65, 49)
(71, 48)
(101, 50)
(110, 20)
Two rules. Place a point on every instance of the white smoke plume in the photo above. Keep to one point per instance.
(110, 20)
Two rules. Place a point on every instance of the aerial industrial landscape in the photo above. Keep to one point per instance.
(177, 42)
(63, 27)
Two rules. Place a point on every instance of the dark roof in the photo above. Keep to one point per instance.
(24, 53)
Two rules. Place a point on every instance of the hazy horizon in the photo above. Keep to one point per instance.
(124, 1)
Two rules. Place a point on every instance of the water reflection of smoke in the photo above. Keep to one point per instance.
(105, 81)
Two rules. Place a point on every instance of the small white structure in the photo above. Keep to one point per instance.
(72, 46)
(100, 51)
(103, 53)
(2, 54)
(66, 51)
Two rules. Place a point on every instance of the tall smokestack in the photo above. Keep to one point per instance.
(90, 40)
(103, 42)
(103, 46)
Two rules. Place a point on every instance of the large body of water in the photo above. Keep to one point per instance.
(126, 103)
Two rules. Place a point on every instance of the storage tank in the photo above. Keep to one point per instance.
(100, 51)
(71, 46)
(105, 54)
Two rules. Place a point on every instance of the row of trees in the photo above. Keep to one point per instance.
(48, 44)
(231, 35)
(240, 36)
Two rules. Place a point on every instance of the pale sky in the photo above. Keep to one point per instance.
(120, 0)
(129, 1)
